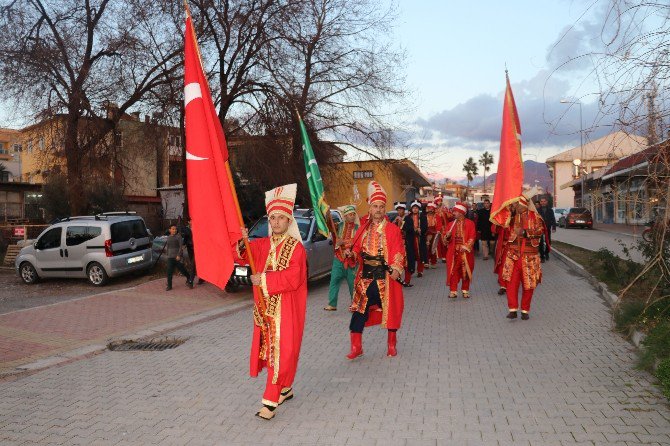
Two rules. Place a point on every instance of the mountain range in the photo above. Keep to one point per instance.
(533, 173)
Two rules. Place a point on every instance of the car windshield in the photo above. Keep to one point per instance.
(579, 210)
(260, 228)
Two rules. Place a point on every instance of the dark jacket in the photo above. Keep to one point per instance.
(548, 216)
(408, 235)
(483, 224)
(423, 249)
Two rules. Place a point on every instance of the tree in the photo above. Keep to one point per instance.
(72, 59)
(470, 168)
(485, 160)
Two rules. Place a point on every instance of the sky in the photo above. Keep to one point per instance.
(457, 54)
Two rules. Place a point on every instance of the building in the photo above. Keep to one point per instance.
(630, 191)
(593, 156)
(347, 182)
(10, 155)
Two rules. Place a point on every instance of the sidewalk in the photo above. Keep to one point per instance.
(464, 375)
(37, 337)
(632, 230)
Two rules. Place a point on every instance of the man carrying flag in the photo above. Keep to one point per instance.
(343, 268)
(280, 299)
(380, 254)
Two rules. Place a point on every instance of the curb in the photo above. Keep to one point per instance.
(612, 299)
(98, 348)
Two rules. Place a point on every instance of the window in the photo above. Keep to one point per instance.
(30, 147)
(17, 148)
(76, 235)
(125, 230)
(50, 239)
(4, 148)
(4, 177)
(362, 174)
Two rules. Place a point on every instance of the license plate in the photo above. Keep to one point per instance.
(135, 259)
(581, 221)
(241, 271)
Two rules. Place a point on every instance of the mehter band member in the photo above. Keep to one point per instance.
(380, 254)
(460, 256)
(522, 262)
(280, 299)
(343, 268)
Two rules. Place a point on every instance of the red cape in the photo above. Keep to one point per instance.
(469, 233)
(393, 254)
(292, 284)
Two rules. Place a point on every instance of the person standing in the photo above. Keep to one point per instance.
(404, 222)
(378, 297)
(187, 232)
(280, 299)
(484, 233)
(420, 229)
(522, 263)
(175, 251)
(460, 256)
(445, 217)
(549, 220)
(433, 228)
(343, 268)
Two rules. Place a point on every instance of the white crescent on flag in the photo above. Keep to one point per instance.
(192, 91)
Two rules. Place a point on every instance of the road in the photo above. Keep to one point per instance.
(464, 375)
(593, 240)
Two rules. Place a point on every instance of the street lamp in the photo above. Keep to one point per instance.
(581, 144)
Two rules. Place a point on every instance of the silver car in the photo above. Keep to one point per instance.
(97, 248)
(319, 249)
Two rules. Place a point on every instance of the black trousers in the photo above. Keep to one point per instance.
(544, 246)
(191, 256)
(171, 265)
(358, 320)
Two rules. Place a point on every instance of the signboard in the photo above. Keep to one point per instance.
(19, 231)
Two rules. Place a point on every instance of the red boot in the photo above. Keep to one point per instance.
(392, 351)
(356, 345)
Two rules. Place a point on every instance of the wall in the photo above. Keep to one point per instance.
(565, 198)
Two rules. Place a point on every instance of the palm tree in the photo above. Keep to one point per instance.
(470, 168)
(486, 160)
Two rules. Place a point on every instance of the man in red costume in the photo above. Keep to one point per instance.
(522, 262)
(434, 227)
(502, 236)
(380, 253)
(460, 256)
(280, 298)
(445, 216)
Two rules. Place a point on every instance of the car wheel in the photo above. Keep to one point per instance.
(96, 274)
(28, 273)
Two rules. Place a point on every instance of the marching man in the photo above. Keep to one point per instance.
(433, 229)
(522, 261)
(379, 251)
(404, 222)
(280, 298)
(460, 237)
(420, 229)
(343, 268)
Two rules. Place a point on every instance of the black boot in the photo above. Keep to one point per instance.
(525, 316)
(512, 315)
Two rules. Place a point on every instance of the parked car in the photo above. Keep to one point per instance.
(96, 248)
(558, 214)
(578, 217)
(319, 248)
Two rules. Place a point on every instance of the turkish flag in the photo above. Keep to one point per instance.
(212, 201)
(509, 180)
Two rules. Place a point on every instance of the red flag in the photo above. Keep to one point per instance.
(509, 180)
(212, 203)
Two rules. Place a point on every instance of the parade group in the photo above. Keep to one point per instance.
(378, 257)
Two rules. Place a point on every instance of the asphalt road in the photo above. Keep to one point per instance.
(593, 240)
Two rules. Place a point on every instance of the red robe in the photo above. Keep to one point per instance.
(391, 294)
(290, 284)
(445, 219)
(502, 234)
(467, 232)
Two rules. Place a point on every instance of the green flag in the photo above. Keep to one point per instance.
(315, 183)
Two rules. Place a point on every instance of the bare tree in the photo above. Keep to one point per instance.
(88, 61)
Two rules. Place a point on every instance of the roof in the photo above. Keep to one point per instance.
(657, 153)
(595, 175)
(613, 146)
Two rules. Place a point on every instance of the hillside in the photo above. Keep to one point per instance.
(532, 171)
